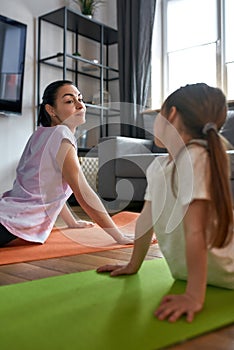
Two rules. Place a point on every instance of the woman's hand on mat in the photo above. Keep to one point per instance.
(82, 224)
(116, 270)
(125, 239)
(172, 307)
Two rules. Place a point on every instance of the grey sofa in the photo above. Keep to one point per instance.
(122, 165)
(123, 162)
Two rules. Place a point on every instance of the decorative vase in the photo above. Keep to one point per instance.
(88, 16)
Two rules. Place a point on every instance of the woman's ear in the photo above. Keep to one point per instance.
(50, 110)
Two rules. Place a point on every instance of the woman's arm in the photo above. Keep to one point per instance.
(86, 197)
(72, 221)
(173, 306)
(143, 237)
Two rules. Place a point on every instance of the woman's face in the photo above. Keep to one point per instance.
(69, 106)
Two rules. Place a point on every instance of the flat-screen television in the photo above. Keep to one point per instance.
(12, 62)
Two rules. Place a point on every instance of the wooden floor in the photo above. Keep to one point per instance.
(222, 339)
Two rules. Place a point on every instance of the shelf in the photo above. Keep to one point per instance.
(81, 27)
(112, 112)
(99, 65)
(82, 72)
(80, 59)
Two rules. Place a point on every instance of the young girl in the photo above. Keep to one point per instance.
(194, 224)
(49, 171)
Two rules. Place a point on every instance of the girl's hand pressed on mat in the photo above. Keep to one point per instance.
(116, 270)
(172, 307)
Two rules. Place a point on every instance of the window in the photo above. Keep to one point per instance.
(229, 48)
(196, 45)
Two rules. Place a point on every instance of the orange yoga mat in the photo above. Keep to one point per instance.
(66, 242)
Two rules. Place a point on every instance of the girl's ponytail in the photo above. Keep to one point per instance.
(221, 197)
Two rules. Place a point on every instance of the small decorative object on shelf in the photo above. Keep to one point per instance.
(89, 67)
(88, 7)
(106, 98)
(59, 56)
(76, 54)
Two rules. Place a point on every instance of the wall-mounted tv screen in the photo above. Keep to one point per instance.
(12, 61)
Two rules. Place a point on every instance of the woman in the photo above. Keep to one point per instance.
(49, 171)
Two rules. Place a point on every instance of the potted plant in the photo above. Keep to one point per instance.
(88, 7)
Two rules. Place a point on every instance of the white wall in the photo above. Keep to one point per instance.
(15, 130)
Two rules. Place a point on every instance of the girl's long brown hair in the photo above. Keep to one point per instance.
(199, 104)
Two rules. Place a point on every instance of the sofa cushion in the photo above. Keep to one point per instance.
(156, 149)
(133, 165)
(130, 189)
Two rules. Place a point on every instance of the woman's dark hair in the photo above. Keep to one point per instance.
(200, 105)
(49, 97)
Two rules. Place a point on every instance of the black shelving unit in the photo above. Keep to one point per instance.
(81, 26)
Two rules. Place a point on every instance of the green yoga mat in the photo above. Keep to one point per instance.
(90, 311)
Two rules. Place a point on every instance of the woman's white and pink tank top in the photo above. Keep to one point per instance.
(39, 193)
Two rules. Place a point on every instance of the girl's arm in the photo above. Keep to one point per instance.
(173, 306)
(195, 223)
(143, 237)
(72, 221)
(86, 197)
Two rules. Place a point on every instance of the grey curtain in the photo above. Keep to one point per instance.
(135, 26)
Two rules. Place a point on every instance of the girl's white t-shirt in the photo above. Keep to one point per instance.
(39, 192)
(192, 182)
